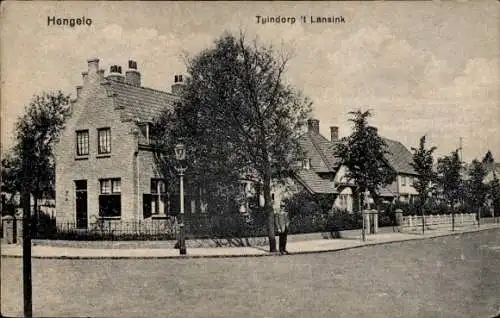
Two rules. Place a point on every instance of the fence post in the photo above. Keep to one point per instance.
(374, 221)
(423, 220)
(366, 217)
(399, 219)
(479, 217)
(8, 224)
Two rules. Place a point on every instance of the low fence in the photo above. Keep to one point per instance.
(413, 223)
(161, 229)
(166, 228)
(220, 227)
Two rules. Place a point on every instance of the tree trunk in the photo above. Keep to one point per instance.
(421, 206)
(34, 224)
(452, 216)
(479, 216)
(356, 202)
(378, 203)
(270, 214)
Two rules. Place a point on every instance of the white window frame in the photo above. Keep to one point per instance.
(83, 142)
(104, 147)
(110, 187)
(159, 200)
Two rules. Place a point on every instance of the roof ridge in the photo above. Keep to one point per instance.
(302, 182)
(330, 144)
(142, 87)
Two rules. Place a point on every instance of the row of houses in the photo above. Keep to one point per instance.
(105, 167)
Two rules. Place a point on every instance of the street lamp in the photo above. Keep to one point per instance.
(180, 155)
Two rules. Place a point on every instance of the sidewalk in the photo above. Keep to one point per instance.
(351, 239)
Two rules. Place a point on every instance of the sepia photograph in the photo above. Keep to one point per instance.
(250, 159)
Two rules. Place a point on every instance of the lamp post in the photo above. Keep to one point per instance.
(180, 155)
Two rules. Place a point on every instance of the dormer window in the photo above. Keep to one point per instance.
(306, 164)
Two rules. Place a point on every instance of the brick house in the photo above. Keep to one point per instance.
(105, 167)
(323, 173)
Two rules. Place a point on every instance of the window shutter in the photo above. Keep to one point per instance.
(146, 205)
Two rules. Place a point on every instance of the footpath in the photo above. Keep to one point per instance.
(348, 240)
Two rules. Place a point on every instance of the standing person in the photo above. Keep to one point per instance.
(282, 223)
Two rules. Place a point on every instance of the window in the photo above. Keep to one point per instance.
(411, 181)
(403, 180)
(158, 197)
(81, 185)
(203, 201)
(110, 198)
(306, 164)
(104, 140)
(145, 133)
(82, 142)
(344, 201)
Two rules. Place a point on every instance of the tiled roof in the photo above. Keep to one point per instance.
(314, 183)
(386, 192)
(399, 158)
(320, 151)
(322, 160)
(327, 148)
(141, 103)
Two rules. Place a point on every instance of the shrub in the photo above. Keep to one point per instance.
(308, 223)
(230, 225)
(301, 204)
(340, 220)
(45, 227)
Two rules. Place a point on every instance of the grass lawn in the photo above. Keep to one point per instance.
(454, 276)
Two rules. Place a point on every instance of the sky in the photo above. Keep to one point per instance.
(422, 68)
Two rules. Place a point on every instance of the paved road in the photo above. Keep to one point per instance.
(454, 276)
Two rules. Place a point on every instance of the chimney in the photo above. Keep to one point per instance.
(334, 133)
(93, 64)
(302, 126)
(78, 90)
(178, 85)
(375, 129)
(85, 77)
(313, 125)
(132, 75)
(115, 73)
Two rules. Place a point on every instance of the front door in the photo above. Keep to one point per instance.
(81, 204)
